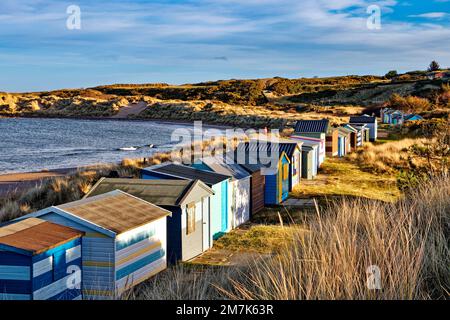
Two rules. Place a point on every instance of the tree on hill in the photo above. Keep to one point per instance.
(391, 74)
(434, 66)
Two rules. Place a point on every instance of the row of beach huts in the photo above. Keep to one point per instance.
(124, 231)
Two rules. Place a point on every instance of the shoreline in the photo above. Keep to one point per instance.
(160, 121)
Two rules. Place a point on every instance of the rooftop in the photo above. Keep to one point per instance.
(34, 236)
(115, 211)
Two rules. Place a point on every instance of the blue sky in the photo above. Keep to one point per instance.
(185, 41)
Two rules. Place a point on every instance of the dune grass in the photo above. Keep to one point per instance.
(406, 241)
(341, 177)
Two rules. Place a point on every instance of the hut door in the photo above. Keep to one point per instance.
(206, 231)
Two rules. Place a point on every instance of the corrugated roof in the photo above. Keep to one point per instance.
(159, 192)
(351, 128)
(363, 119)
(269, 146)
(36, 236)
(115, 211)
(312, 126)
(308, 141)
(185, 172)
(226, 166)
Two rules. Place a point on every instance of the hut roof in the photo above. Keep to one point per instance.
(34, 236)
(363, 119)
(185, 172)
(159, 192)
(226, 166)
(312, 126)
(115, 211)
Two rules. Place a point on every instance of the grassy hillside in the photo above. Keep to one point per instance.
(248, 103)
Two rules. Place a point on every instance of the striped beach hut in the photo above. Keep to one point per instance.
(220, 201)
(124, 242)
(240, 185)
(332, 141)
(275, 168)
(188, 228)
(40, 260)
(370, 122)
(316, 131)
(360, 135)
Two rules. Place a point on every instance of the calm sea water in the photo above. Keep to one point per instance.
(36, 144)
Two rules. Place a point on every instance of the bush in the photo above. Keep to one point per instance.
(409, 103)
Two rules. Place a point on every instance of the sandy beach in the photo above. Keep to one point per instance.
(14, 182)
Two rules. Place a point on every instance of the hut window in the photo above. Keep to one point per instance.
(190, 218)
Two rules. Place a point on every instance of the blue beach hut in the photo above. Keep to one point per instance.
(220, 202)
(40, 260)
(124, 242)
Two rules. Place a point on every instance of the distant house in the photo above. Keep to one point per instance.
(37, 261)
(316, 130)
(397, 117)
(124, 242)
(438, 75)
(221, 202)
(370, 122)
(240, 185)
(188, 201)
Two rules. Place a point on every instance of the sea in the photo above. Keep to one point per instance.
(31, 145)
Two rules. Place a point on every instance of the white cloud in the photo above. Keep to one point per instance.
(430, 15)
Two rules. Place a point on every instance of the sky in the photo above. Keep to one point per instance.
(187, 41)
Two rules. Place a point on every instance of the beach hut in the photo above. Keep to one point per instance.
(220, 202)
(188, 232)
(332, 140)
(316, 130)
(344, 142)
(292, 148)
(309, 166)
(353, 135)
(275, 168)
(313, 143)
(257, 186)
(124, 242)
(240, 183)
(370, 122)
(40, 260)
(361, 131)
